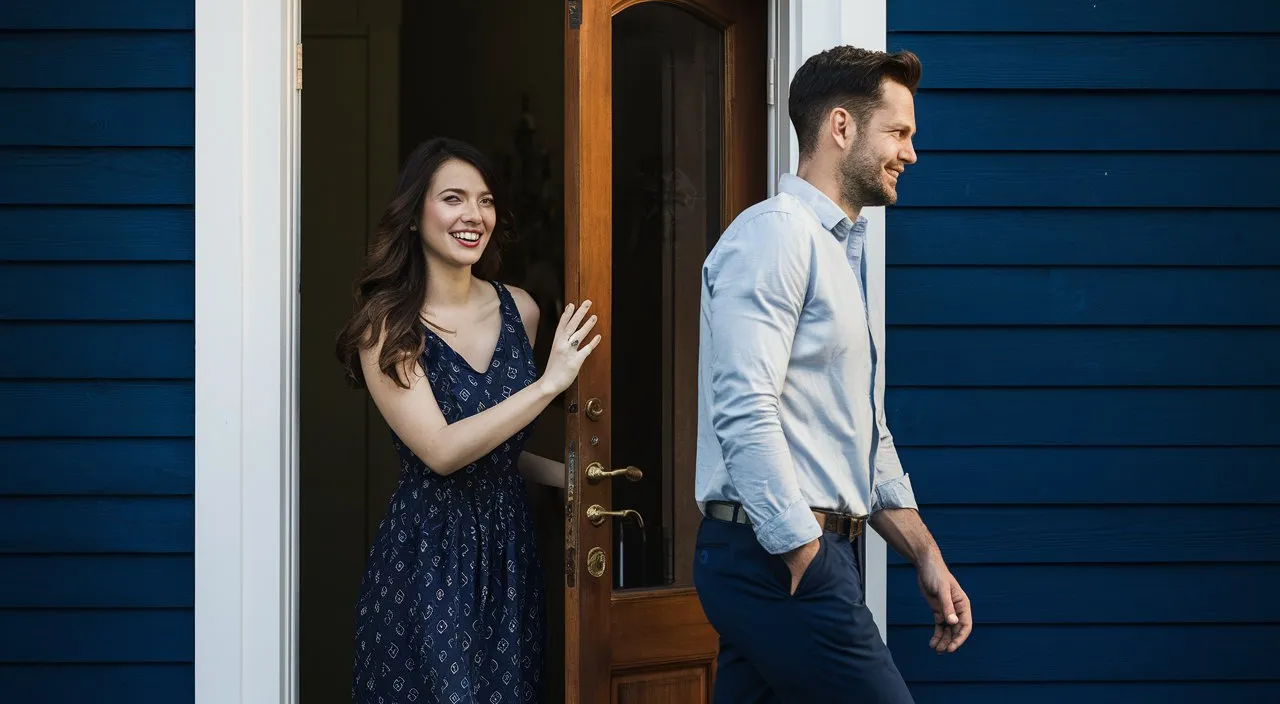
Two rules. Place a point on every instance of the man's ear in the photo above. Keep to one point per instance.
(843, 128)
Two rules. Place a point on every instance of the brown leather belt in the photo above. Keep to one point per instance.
(843, 524)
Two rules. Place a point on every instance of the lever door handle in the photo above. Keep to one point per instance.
(598, 514)
(596, 472)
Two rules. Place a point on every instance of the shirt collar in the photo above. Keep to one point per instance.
(829, 214)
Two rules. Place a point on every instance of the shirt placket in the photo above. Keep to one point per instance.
(858, 262)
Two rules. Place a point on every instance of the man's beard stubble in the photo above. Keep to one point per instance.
(861, 181)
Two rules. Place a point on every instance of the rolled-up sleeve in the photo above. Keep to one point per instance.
(761, 279)
(890, 486)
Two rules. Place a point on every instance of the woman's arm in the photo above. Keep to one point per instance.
(415, 416)
(541, 470)
(535, 468)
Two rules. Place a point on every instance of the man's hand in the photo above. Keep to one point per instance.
(952, 615)
(798, 561)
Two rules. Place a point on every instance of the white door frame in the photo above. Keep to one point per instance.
(809, 27)
(246, 362)
(246, 319)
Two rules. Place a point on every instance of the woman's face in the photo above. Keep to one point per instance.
(458, 215)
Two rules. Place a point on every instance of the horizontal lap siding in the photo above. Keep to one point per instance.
(1083, 296)
(96, 351)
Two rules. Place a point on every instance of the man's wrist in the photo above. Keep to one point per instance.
(799, 559)
(906, 533)
(926, 557)
(795, 553)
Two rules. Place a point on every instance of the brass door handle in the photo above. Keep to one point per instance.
(597, 514)
(596, 472)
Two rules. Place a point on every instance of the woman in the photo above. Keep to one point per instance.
(451, 608)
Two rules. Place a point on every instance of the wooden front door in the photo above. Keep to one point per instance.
(665, 142)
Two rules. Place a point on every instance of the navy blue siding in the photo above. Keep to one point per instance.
(1083, 298)
(96, 351)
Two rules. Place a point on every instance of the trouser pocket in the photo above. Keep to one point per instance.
(815, 575)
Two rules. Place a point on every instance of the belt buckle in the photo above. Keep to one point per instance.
(848, 527)
(849, 524)
(831, 521)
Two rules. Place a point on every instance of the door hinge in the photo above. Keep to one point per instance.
(297, 54)
(769, 87)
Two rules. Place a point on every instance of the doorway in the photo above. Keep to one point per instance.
(381, 77)
(687, 151)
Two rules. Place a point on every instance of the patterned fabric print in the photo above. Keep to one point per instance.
(451, 608)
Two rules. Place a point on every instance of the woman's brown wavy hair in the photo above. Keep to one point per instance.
(390, 289)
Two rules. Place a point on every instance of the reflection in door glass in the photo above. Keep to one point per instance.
(668, 97)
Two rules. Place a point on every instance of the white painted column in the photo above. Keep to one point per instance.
(245, 381)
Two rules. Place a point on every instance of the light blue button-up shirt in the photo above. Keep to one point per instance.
(790, 389)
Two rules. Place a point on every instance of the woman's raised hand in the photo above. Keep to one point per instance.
(570, 348)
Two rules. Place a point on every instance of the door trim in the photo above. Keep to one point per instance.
(246, 320)
(246, 286)
(800, 29)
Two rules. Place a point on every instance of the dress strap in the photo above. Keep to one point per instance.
(511, 313)
(507, 301)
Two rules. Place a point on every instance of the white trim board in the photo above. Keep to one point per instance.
(805, 28)
(246, 272)
(246, 313)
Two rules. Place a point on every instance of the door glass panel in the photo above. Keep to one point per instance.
(668, 112)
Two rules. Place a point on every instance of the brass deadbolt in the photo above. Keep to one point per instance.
(595, 562)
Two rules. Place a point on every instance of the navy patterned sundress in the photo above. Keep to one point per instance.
(452, 606)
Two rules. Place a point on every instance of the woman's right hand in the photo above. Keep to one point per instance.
(569, 348)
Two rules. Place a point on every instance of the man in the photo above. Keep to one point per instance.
(793, 449)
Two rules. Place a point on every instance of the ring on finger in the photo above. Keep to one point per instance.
(573, 342)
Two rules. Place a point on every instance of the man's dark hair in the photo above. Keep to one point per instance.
(847, 77)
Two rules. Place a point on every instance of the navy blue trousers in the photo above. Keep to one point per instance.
(820, 645)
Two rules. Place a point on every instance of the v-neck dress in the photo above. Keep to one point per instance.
(452, 606)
